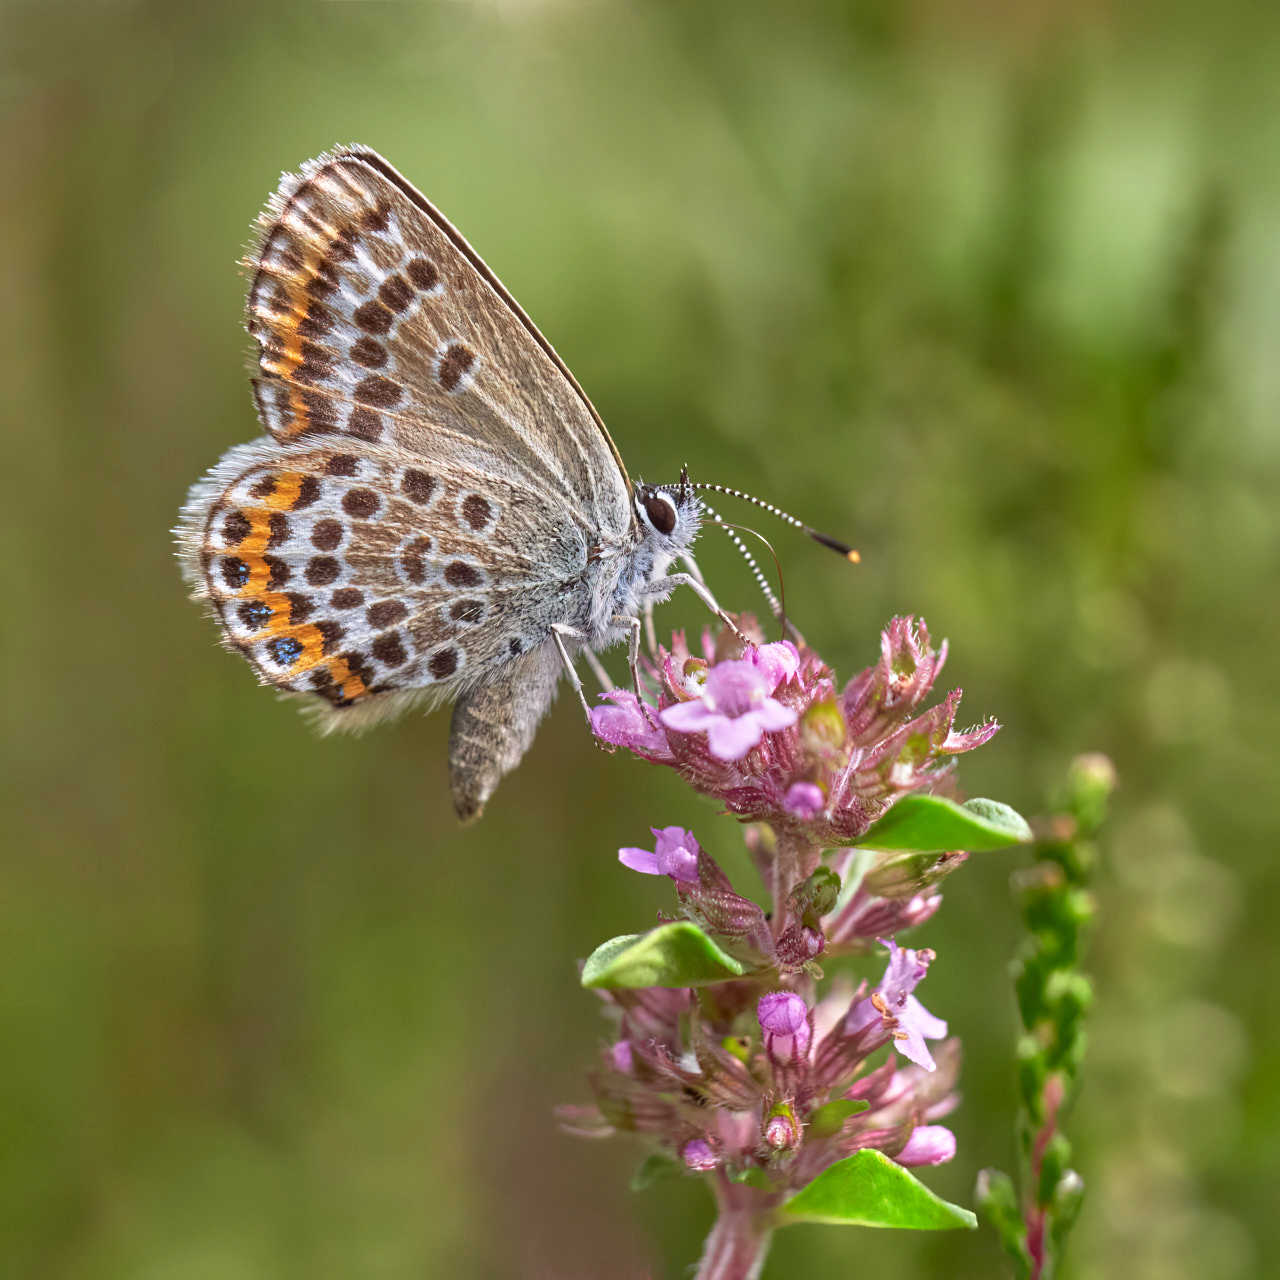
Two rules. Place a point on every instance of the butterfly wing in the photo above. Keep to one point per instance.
(368, 578)
(434, 484)
(493, 726)
(376, 319)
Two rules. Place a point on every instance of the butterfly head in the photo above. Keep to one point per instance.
(668, 513)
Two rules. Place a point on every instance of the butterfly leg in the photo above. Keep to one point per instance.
(633, 654)
(559, 631)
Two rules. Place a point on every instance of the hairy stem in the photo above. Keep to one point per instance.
(793, 860)
(739, 1241)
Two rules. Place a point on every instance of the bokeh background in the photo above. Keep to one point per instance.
(991, 288)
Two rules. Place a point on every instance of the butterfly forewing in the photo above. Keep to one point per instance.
(376, 319)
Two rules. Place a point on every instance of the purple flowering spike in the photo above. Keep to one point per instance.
(623, 723)
(675, 855)
(765, 731)
(735, 710)
(893, 998)
(698, 1156)
(928, 1144)
(784, 1019)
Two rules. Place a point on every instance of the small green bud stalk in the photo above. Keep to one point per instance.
(1053, 999)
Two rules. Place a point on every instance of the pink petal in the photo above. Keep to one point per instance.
(688, 717)
(640, 860)
(772, 715)
(928, 1144)
(732, 739)
(930, 1026)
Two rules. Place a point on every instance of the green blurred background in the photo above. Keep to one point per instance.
(991, 288)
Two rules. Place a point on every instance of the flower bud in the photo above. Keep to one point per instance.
(823, 729)
(698, 1156)
(804, 800)
(781, 1130)
(816, 895)
(1090, 783)
(904, 875)
(784, 1019)
(799, 945)
(693, 678)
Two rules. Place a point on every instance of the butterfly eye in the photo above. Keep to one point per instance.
(661, 512)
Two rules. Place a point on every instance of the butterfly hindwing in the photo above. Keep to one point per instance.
(493, 725)
(348, 571)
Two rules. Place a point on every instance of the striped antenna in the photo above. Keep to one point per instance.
(824, 538)
(761, 581)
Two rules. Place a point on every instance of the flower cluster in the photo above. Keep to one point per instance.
(771, 1089)
(766, 733)
(739, 1068)
(760, 1084)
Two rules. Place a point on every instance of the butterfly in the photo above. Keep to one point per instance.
(437, 512)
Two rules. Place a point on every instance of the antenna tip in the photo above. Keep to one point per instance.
(853, 557)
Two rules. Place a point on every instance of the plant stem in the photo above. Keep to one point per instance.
(739, 1241)
(793, 860)
(1034, 1212)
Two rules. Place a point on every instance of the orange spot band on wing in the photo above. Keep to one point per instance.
(284, 357)
(252, 550)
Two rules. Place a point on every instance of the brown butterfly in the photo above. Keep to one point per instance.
(437, 512)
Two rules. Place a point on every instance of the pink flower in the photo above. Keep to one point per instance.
(698, 1156)
(624, 723)
(675, 855)
(784, 1019)
(735, 710)
(893, 998)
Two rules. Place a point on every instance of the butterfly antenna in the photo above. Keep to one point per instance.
(824, 538)
(777, 606)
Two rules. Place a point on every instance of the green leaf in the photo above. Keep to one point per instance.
(934, 824)
(867, 1189)
(657, 1168)
(678, 954)
(830, 1119)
